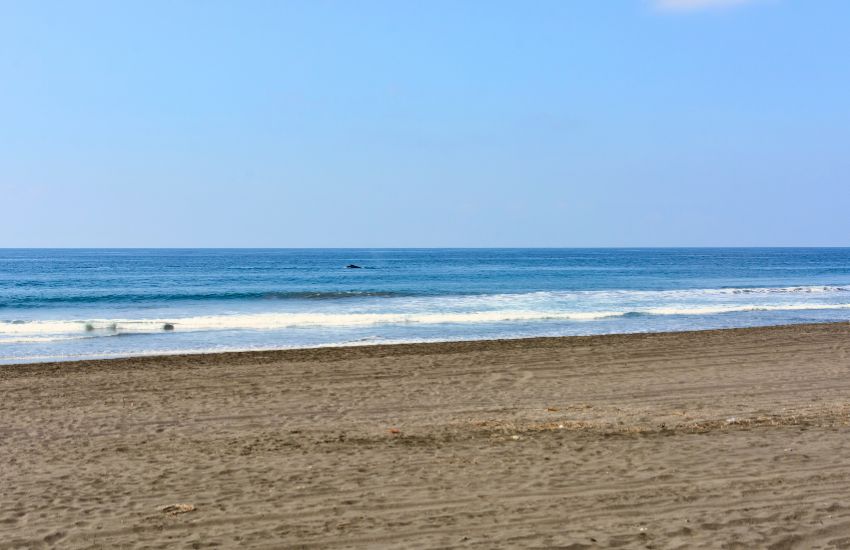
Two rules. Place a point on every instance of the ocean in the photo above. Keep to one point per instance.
(72, 304)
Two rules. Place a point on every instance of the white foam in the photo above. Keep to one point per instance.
(38, 339)
(666, 294)
(615, 300)
(714, 310)
(37, 331)
(76, 327)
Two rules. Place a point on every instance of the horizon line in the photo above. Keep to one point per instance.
(680, 247)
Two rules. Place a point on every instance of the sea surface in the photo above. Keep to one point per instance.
(97, 303)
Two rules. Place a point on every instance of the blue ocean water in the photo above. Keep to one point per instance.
(77, 304)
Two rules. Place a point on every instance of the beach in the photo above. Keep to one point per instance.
(733, 438)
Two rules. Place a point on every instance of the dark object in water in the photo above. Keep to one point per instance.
(352, 266)
(167, 326)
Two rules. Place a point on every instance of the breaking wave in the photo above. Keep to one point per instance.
(82, 298)
(274, 321)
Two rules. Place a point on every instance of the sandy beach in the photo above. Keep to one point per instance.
(719, 439)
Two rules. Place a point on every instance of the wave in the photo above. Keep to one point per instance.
(705, 292)
(787, 290)
(25, 302)
(715, 310)
(37, 301)
(40, 339)
(277, 321)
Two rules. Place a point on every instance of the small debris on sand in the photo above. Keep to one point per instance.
(174, 509)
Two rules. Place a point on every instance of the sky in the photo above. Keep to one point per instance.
(457, 123)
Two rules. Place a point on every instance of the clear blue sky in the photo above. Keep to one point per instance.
(434, 123)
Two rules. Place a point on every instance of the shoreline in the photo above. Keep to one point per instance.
(333, 352)
(732, 437)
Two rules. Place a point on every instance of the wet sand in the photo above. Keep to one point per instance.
(719, 439)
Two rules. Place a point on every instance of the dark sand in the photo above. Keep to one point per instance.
(719, 439)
